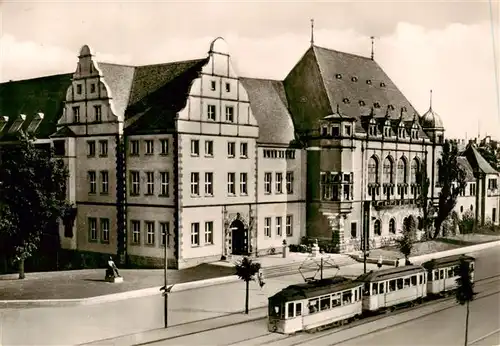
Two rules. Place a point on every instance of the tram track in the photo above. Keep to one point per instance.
(307, 337)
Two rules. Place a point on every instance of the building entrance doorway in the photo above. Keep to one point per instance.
(239, 238)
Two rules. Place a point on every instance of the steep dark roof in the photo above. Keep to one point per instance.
(391, 273)
(354, 82)
(314, 289)
(119, 78)
(39, 95)
(469, 172)
(270, 108)
(159, 92)
(477, 161)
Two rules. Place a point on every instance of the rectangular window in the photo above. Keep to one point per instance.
(298, 309)
(211, 112)
(195, 184)
(195, 234)
(209, 184)
(164, 146)
(104, 182)
(324, 303)
(165, 233)
(354, 230)
(164, 184)
(290, 310)
(279, 182)
(278, 225)
(105, 230)
(243, 184)
(231, 148)
(150, 233)
(244, 150)
(209, 232)
(98, 114)
(268, 180)
(90, 148)
(195, 147)
(230, 183)
(136, 231)
(78, 89)
(230, 114)
(289, 182)
(59, 148)
(76, 114)
(134, 181)
(335, 131)
(92, 88)
(150, 183)
(289, 225)
(213, 85)
(228, 87)
(134, 147)
(209, 148)
(92, 181)
(92, 229)
(150, 147)
(267, 227)
(103, 148)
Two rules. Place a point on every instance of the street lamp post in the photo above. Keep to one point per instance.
(165, 288)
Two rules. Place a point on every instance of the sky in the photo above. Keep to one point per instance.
(448, 46)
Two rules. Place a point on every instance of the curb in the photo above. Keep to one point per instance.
(145, 292)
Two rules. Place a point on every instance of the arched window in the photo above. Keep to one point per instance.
(377, 228)
(402, 178)
(373, 170)
(420, 223)
(414, 170)
(392, 226)
(388, 170)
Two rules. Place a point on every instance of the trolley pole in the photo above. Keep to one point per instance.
(165, 293)
(321, 268)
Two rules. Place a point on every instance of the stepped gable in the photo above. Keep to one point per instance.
(356, 83)
(270, 108)
(32, 96)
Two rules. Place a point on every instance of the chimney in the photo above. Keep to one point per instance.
(3, 122)
(35, 123)
(18, 123)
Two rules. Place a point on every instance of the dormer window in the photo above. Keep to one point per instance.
(324, 130)
(362, 103)
(387, 129)
(382, 84)
(403, 109)
(354, 79)
(348, 130)
(369, 82)
(376, 105)
(390, 107)
(346, 100)
(401, 132)
(338, 76)
(335, 131)
(414, 132)
(372, 128)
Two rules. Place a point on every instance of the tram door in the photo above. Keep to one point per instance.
(381, 301)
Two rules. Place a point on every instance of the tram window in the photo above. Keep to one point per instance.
(289, 310)
(346, 297)
(450, 272)
(356, 295)
(441, 274)
(275, 311)
(436, 275)
(414, 280)
(325, 303)
(375, 288)
(392, 285)
(422, 278)
(313, 306)
(472, 266)
(336, 300)
(429, 276)
(367, 289)
(360, 295)
(298, 309)
(381, 287)
(407, 282)
(400, 284)
(456, 271)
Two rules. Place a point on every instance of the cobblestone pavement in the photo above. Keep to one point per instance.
(90, 283)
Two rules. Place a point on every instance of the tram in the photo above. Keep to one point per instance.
(442, 273)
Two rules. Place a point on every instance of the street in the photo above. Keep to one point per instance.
(446, 326)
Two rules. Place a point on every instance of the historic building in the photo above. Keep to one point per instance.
(191, 156)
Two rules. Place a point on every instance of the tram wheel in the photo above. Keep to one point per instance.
(393, 308)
